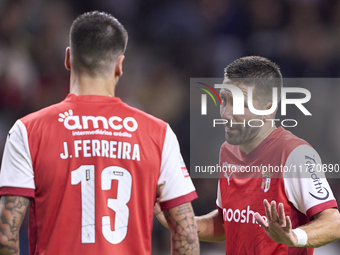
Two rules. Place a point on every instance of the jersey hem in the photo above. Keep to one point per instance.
(321, 207)
(15, 191)
(220, 211)
(178, 201)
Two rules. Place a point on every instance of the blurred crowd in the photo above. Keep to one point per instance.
(171, 41)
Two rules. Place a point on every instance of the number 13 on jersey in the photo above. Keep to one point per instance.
(85, 176)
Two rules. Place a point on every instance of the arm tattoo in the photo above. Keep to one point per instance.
(12, 213)
(183, 228)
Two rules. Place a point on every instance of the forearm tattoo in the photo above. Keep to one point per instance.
(12, 213)
(182, 224)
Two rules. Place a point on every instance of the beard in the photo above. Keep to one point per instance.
(234, 139)
(241, 135)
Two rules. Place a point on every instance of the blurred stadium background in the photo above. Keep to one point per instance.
(171, 41)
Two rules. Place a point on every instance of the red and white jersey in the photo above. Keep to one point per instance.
(296, 182)
(92, 166)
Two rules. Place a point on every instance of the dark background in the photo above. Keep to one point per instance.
(171, 41)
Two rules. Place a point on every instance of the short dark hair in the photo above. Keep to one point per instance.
(258, 71)
(96, 40)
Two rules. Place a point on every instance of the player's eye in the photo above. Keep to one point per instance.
(223, 99)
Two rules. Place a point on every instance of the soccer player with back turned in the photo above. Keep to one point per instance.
(91, 167)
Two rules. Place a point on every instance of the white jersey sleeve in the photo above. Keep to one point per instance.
(306, 186)
(174, 184)
(16, 168)
(219, 198)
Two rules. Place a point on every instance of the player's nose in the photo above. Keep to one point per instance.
(226, 112)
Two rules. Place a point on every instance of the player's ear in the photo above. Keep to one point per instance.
(68, 58)
(119, 66)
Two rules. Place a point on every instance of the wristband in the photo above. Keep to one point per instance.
(301, 236)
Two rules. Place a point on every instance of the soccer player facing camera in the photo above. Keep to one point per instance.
(298, 210)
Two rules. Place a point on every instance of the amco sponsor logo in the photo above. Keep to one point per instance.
(73, 122)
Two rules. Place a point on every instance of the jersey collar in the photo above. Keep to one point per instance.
(92, 98)
(262, 147)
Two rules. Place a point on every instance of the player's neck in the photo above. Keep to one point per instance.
(264, 132)
(87, 85)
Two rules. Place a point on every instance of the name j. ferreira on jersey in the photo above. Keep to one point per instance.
(101, 148)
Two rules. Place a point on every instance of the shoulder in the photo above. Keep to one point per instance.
(288, 138)
(143, 116)
(44, 115)
(289, 142)
(149, 126)
(302, 156)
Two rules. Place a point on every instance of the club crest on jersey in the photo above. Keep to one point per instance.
(266, 178)
(73, 122)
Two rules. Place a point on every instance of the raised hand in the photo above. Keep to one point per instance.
(279, 226)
